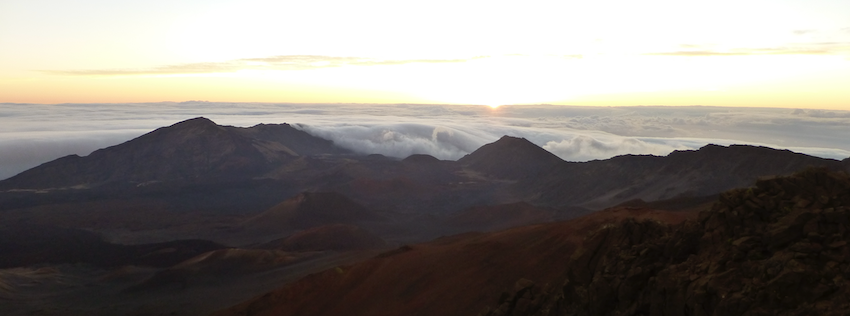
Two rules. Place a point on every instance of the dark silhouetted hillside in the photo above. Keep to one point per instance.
(189, 151)
(692, 173)
(510, 158)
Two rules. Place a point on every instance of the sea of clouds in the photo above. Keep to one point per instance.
(31, 134)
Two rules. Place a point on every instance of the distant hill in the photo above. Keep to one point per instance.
(692, 173)
(510, 158)
(189, 151)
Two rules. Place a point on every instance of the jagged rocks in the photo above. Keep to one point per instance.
(779, 248)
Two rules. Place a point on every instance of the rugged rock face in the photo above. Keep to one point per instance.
(779, 248)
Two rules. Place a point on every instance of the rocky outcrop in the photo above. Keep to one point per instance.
(779, 248)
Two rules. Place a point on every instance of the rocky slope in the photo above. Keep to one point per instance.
(779, 248)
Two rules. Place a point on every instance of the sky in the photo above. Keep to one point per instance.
(31, 134)
(744, 53)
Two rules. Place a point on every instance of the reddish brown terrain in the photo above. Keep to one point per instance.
(195, 217)
(458, 275)
(495, 217)
(779, 248)
(328, 237)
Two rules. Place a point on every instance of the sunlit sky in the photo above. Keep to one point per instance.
(777, 53)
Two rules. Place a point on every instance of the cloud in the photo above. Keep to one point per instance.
(282, 62)
(698, 53)
(820, 48)
(401, 140)
(583, 148)
(803, 32)
(31, 134)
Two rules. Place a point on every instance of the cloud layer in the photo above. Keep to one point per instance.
(31, 134)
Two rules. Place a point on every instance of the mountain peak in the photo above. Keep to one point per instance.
(199, 124)
(200, 120)
(510, 158)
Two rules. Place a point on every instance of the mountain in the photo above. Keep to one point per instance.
(691, 173)
(195, 190)
(189, 151)
(510, 158)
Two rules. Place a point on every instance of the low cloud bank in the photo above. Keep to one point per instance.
(32, 134)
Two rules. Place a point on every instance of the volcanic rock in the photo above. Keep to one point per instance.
(779, 248)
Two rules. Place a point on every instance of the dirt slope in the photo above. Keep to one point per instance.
(455, 275)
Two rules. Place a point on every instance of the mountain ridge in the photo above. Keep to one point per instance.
(192, 150)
